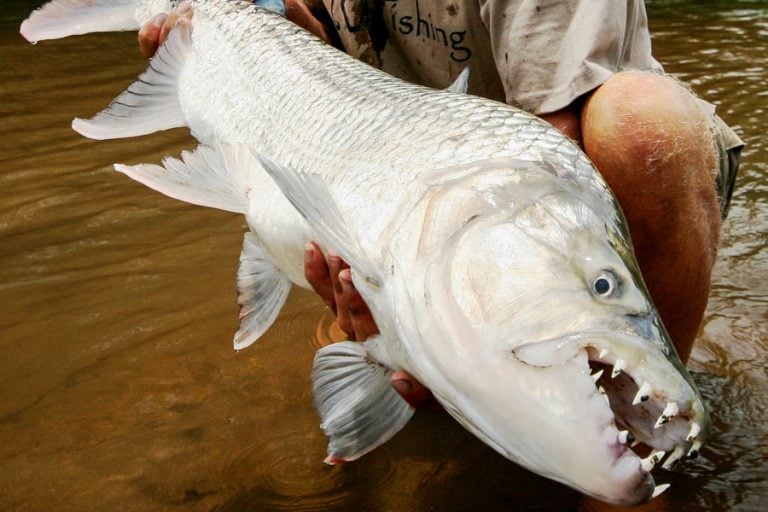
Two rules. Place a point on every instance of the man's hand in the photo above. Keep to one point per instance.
(302, 13)
(155, 31)
(332, 280)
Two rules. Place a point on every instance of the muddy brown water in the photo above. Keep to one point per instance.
(119, 389)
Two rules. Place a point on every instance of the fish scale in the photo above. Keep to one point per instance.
(451, 130)
(494, 258)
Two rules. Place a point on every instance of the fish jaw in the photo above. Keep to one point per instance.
(561, 423)
(551, 420)
(650, 396)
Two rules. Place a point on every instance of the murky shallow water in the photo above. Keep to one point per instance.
(119, 389)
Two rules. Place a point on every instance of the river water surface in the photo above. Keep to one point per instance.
(119, 389)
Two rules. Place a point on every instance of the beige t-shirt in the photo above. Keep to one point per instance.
(538, 55)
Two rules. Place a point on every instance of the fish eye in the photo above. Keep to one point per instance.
(606, 284)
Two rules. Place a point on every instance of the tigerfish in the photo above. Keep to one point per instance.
(494, 258)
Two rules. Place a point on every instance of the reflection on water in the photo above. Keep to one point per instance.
(120, 390)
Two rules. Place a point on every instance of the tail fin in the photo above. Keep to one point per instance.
(62, 18)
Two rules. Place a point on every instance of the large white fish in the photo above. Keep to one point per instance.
(494, 258)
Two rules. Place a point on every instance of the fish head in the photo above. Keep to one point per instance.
(550, 349)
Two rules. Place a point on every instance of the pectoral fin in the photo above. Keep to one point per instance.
(261, 292)
(358, 407)
(309, 194)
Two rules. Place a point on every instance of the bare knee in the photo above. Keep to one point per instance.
(651, 141)
(645, 132)
(644, 118)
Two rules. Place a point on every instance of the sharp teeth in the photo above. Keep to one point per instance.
(677, 453)
(671, 409)
(596, 376)
(618, 368)
(694, 451)
(650, 461)
(605, 395)
(603, 353)
(667, 414)
(659, 489)
(642, 394)
(647, 464)
(625, 436)
(695, 429)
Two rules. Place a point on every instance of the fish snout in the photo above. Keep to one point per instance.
(645, 324)
(653, 404)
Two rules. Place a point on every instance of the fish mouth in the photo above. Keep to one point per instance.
(665, 421)
(658, 417)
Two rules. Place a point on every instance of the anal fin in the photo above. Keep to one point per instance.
(261, 292)
(358, 407)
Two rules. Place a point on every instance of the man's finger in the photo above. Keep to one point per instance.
(318, 275)
(184, 10)
(298, 12)
(335, 266)
(360, 316)
(413, 391)
(170, 22)
(149, 35)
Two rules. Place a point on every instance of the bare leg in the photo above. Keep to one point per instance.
(567, 121)
(651, 141)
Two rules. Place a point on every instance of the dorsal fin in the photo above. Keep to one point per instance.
(151, 103)
(461, 84)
